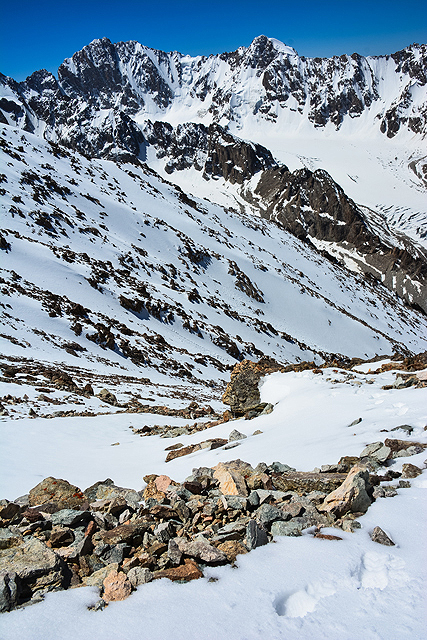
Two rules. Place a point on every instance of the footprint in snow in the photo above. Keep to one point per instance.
(298, 604)
(379, 569)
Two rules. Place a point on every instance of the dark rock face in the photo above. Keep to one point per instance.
(211, 150)
(313, 207)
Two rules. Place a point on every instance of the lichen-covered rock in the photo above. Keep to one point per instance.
(66, 495)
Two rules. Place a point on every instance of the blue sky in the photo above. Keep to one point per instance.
(41, 34)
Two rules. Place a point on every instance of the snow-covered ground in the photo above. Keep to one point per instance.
(301, 588)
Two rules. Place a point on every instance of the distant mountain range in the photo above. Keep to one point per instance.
(182, 213)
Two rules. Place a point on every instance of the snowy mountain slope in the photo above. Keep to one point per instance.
(106, 264)
(361, 119)
(307, 203)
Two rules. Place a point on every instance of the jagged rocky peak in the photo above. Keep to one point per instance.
(266, 82)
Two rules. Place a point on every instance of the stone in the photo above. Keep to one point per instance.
(107, 397)
(130, 533)
(61, 537)
(404, 427)
(9, 538)
(232, 548)
(242, 392)
(174, 552)
(231, 531)
(306, 481)
(259, 481)
(267, 495)
(290, 510)
(346, 463)
(8, 509)
(9, 591)
(378, 535)
(236, 435)
(116, 554)
(164, 531)
(138, 576)
(201, 551)
(116, 586)
(326, 536)
(184, 451)
(355, 422)
(202, 471)
(70, 517)
(231, 482)
(66, 495)
(184, 573)
(402, 448)
(351, 495)
(38, 568)
(107, 490)
(256, 536)
(377, 450)
(236, 503)
(267, 513)
(410, 471)
(97, 578)
(279, 467)
(162, 483)
(291, 528)
(253, 499)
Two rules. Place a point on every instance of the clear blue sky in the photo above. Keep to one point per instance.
(42, 33)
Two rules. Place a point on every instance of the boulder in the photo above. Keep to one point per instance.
(256, 536)
(378, 535)
(351, 495)
(306, 481)
(200, 550)
(231, 481)
(116, 586)
(184, 573)
(403, 448)
(66, 495)
(38, 568)
(242, 393)
(410, 471)
(139, 575)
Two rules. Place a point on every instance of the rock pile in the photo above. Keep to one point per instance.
(116, 538)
